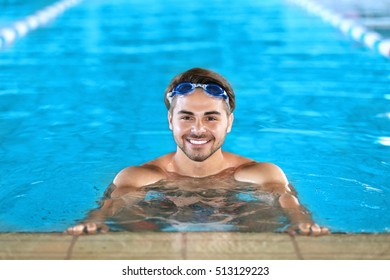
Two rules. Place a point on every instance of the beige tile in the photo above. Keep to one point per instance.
(242, 246)
(213, 245)
(29, 246)
(127, 246)
(345, 246)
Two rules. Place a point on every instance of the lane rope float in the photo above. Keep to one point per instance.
(20, 28)
(350, 27)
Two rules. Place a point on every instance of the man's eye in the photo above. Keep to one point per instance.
(186, 118)
(211, 118)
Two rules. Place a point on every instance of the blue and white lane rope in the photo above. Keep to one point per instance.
(350, 27)
(20, 28)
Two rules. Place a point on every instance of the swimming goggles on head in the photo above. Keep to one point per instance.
(184, 88)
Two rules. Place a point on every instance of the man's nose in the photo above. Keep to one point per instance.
(198, 127)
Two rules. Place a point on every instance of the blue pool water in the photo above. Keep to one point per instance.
(81, 98)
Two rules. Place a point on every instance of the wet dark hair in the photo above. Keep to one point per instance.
(201, 76)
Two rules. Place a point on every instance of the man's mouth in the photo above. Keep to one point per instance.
(198, 141)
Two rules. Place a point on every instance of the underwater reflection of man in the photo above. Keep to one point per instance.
(200, 107)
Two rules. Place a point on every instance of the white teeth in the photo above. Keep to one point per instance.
(198, 142)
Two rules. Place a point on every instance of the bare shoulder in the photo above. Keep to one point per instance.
(260, 173)
(138, 176)
(263, 173)
(235, 160)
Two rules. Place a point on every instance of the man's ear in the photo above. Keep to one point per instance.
(230, 122)
(170, 120)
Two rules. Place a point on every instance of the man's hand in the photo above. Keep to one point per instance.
(307, 229)
(87, 228)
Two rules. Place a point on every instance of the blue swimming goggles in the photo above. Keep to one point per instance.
(184, 88)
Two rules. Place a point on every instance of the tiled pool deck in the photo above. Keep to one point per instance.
(193, 246)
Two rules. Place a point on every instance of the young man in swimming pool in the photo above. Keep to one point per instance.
(200, 114)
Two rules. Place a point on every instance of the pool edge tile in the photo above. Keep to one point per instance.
(129, 246)
(192, 246)
(345, 247)
(244, 246)
(34, 246)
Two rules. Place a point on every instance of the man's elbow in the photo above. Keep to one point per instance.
(287, 200)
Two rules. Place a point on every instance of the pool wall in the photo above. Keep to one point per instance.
(193, 246)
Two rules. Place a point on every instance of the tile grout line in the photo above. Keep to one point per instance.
(296, 248)
(70, 249)
(184, 246)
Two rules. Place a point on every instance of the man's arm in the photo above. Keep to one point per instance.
(272, 179)
(123, 191)
(95, 220)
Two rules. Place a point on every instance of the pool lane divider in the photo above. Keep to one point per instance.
(350, 27)
(31, 22)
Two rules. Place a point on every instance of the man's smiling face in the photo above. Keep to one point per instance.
(199, 123)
